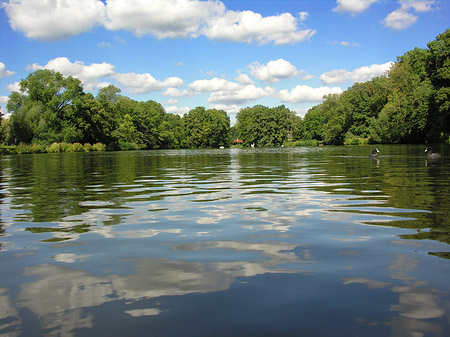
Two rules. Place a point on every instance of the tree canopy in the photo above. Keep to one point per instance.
(410, 104)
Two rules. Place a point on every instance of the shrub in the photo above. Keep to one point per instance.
(77, 147)
(87, 147)
(54, 148)
(98, 147)
(65, 147)
(37, 148)
(128, 146)
(23, 148)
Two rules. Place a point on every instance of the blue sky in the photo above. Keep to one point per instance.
(217, 54)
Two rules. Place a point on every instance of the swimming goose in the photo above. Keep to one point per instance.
(374, 153)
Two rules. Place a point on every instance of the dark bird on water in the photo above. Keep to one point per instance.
(431, 154)
(374, 153)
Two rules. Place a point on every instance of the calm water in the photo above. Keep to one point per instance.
(233, 242)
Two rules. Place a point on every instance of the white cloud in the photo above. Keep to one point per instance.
(304, 93)
(144, 83)
(14, 87)
(210, 73)
(177, 110)
(244, 79)
(248, 26)
(303, 16)
(4, 72)
(59, 19)
(229, 108)
(175, 92)
(418, 5)
(402, 17)
(241, 96)
(54, 19)
(4, 99)
(352, 6)
(161, 18)
(213, 85)
(89, 75)
(228, 92)
(172, 101)
(274, 71)
(343, 43)
(361, 74)
(104, 44)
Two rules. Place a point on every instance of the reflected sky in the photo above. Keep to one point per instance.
(256, 238)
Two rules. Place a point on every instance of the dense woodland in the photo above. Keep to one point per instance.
(410, 104)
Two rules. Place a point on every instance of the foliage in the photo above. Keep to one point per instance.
(207, 128)
(263, 126)
(410, 104)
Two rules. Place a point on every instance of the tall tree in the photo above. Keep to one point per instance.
(207, 128)
(439, 73)
(265, 126)
(44, 109)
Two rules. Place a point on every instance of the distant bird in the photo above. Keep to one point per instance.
(431, 154)
(374, 153)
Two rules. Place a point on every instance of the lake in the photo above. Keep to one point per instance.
(307, 241)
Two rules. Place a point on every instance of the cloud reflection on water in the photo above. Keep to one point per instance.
(60, 294)
(193, 233)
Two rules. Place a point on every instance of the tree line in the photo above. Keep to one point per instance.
(51, 108)
(410, 104)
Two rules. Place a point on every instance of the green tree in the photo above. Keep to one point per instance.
(207, 128)
(405, 115)
(439, 73)
(44, 110)
(265, 126)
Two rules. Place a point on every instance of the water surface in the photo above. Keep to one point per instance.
(232, 242)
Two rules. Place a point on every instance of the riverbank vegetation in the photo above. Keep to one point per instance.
(410, 104)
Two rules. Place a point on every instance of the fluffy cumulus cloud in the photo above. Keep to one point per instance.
(54, 19)
(161, 18)
(4, 72)
(92, 75)
(243, 95)
(248, 26)
(274, 71)
(404, 16)
(228, 93)
(244, 79)
(231, 109)
(214, 84)
(88, 74)
(3, 101)
(353, 6)
(144, 83)
(304, 93)
(361, 74)
(14, 87)
(177, 110)
(175, 92)
(58, 19)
